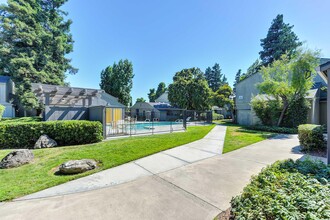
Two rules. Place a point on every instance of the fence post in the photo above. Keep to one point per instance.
(184, 114)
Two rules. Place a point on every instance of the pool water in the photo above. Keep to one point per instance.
(144, 125)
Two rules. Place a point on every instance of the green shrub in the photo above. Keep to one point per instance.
(217, 116)
(24, 135)
(311, 137)
(296, 113)
(2, 110)
(286, 190)
(274, 129)
(268, 111)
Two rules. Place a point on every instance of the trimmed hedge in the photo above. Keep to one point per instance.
(274, 129)
(2, 110)
(311, 137)
(286, 190)
(24, 135)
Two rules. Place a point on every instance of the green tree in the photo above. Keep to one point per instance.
(289, 79)
(117, 80)
(214, 77)
(152, 95)
(140, 99)
(280, 40)
(190, 90)
(237, 79)
(254, 68)
(160, 89)
(222, 96)
(34, 41)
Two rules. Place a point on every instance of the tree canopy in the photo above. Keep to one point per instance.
(155, 94)
(190, 90)
(117, 80)
(280, 40)
(222, 96)
(214, 77)
(237, 79)
(34, 41)
(140, 99)
(289, 79)
(152, 95)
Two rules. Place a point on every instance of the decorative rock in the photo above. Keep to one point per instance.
(77, 166)
(45, 142)
(16, 158)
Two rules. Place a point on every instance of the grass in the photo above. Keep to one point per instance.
(239, 136)
(39, 175)
(20, 120)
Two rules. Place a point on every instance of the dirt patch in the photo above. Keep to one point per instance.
(225, 215)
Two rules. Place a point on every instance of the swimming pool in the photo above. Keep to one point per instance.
(150, 125)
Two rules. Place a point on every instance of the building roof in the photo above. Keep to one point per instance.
(70, 96)
(4, 79)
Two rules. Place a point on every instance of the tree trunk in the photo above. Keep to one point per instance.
(285, 106)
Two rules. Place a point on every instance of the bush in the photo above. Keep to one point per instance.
(311, 137)
(296, 113)
(286, 190)
(24, 135)
(274, 129)
(2, 110)
(268, 111)
(216, 116)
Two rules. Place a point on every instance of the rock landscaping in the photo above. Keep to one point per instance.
(77, 166)
(45, 142)
(16, 158)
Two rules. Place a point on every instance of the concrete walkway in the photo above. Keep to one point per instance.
(190, 182)
(207, 147)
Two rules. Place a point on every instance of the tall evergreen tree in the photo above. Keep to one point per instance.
(280, 40)
(214, 77)
(34, 41)
(117, 80)
(237, 79)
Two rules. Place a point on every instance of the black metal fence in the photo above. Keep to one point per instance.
(153, 122)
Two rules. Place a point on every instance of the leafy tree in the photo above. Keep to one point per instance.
(34, 41)
(152, 95)
(237, 79)
(117, 80)
(140, 99)
(222, 96)
(190, 90)
(214, 77)
(288, 80)
(280, 40)
(160, 89)
(254, 68)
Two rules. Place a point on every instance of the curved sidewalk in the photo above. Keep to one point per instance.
(198, 185)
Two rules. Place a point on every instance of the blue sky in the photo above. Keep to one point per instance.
(162, 37)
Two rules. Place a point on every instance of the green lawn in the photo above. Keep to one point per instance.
(239, 136)
(39, 175)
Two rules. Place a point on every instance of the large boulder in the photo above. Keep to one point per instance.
(77, 166)
(16, 158)
(45, 142)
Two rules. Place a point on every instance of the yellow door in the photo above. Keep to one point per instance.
(108, 115)
(118, 114)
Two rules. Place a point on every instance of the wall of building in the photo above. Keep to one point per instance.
(323, 113)
(144, 110)
(65, 113)
(245, 91)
